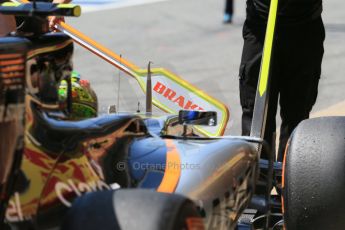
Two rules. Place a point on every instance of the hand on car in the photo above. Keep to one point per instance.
(56, 19)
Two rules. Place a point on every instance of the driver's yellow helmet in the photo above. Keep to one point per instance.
(84, 99)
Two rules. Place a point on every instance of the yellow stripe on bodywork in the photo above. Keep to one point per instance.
(267, 54)
(36, 52)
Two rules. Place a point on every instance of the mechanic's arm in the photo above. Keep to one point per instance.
(55, 19)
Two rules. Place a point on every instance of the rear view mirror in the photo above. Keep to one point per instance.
(189, 117)
(111, 109)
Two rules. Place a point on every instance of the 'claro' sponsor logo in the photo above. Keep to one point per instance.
(173, 96)
(14, 212)
(63, 188)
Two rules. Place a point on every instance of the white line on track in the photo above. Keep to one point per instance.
(88, 6)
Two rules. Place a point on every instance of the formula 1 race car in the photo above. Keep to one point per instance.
(140, 170)
(56, 158)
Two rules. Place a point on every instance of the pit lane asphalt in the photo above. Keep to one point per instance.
(188, 37)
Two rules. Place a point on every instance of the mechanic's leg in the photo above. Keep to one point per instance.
(249, 72)
(228, 12)
(301, 78)
(229, 7)
(296, 107)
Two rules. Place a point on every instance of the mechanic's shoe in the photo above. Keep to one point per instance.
(227, 19)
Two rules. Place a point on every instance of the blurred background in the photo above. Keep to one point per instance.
(189, 38)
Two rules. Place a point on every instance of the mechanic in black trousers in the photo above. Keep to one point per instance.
(295, 68)
(229, 11)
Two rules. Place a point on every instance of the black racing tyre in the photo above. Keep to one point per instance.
(132, 209)
(314, 176)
